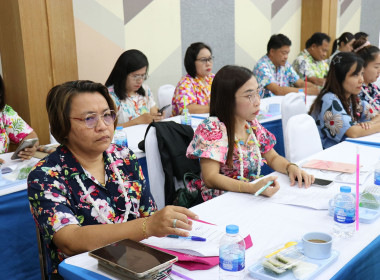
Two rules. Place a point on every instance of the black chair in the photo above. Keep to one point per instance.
(42, 255)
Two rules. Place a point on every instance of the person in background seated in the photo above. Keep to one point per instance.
(89, 192)
(133, 98)
(360, 34)
(311, 62)
(371, 57)
(193, 90)
(232, 145)
(14, 128)
(338, 111)
(342, 44)
(274, 73)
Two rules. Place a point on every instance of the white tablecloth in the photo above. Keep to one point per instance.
(272, 224)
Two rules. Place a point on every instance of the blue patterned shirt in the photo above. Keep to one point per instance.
(266, 73)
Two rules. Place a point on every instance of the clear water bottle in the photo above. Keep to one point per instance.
(302, 92)
(186, 117)
(344, 213)
(376, 177)
(231, 254)
(120, 137)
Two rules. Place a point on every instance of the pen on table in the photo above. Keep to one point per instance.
(180, 275)
(263, 188)
(193, 238)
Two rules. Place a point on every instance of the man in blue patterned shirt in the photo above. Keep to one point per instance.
(274, 73)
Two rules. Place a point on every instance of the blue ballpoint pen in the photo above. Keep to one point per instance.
(263, 188)
(193, 238)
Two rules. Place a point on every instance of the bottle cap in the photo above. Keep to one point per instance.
(232, 229)
(300, 90)
(345, 189)
(119, 128)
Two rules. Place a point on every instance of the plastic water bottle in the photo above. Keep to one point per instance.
(376, 177)
(302, 92)
(344, 213)
(120, 137)
(231, 254)
(186, 117)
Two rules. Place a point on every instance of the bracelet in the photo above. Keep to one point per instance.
(145, 235)
(290, 164)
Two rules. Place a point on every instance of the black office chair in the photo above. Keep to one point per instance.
(42, 256)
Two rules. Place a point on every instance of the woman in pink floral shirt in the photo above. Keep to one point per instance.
(193, 90)
(13, 128)
(232, 145)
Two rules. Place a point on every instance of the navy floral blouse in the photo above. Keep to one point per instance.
(57, 199)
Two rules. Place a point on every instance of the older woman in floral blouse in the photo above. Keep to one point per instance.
(89, 192)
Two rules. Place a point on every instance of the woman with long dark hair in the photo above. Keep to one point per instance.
(232, 145)
(132, 97)
(338, 111)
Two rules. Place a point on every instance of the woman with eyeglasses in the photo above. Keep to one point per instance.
(193, 90)
(232, 145)
(89, 192)
(133, 98)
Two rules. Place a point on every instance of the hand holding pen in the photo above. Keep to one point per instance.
(268, 186)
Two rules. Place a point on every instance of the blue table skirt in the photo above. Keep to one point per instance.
(18, 239)
(275, 127)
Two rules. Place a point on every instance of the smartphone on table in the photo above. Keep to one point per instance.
(319, 182)
(28, 143)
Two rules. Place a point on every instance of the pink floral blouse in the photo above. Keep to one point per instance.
(191, 90)
(12, 128)
(211, 141)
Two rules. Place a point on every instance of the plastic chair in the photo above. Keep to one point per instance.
(155, 171)
(292, 104)
(301, 138)
(165, 96)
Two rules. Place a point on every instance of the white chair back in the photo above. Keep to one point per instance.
(302, 138)
(165, 96)
(155, 171)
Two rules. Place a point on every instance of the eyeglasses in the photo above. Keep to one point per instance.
(91, 120)
(139, 77)
(205, 60)
(254, 95)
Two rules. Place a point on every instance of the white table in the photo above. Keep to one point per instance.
(272, 224)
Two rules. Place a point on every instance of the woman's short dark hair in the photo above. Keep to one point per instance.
(367, 52)
(58, 105)
(191, 56)
(339, 67)
(277, 41)
(317, 38)
(344, 38)
(128, 62)
(222, 103)
(2, 94)
(360, 34)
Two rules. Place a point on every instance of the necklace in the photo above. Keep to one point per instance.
(371, 100)
(122, 186)
(257, 152)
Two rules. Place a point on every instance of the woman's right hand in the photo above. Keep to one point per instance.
(271, 190)
(162, 222)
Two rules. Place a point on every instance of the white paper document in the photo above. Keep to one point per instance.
(208, 248)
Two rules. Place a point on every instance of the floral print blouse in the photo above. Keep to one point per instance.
(133, 106)
(305, 64)
(12, 128)
(57, 199)
(333, 121)
(373, 96)
(211, 141)
(266, 73)
(191, 90)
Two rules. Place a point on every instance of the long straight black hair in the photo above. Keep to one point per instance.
(2, 94)
(128, 62)
(339, 67)
(222, 103)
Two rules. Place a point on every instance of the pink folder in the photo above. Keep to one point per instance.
(330, 165)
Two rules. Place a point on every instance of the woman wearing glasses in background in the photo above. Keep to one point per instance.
(89, 192)
(193, 90)
(133, 99)
(232, 145)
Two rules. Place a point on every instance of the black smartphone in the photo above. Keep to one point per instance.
(163, 108)
(319, 182)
